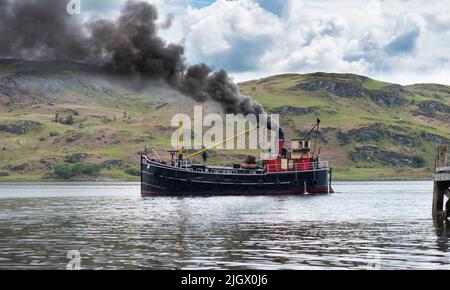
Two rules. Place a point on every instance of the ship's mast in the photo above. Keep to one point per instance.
(180, 136)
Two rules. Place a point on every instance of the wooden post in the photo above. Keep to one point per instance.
(438, 200)
(441, 156)
(441, 185)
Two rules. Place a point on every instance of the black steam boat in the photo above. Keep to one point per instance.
(295, 170)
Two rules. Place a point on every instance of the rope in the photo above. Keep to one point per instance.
(159, 120)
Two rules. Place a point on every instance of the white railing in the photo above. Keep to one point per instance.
(310, 166)
(298, 167)
(183, 163)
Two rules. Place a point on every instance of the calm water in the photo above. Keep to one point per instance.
(380, 224)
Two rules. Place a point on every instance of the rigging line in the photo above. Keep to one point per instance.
(163, 114)
(228, 156)
(159, 120)
(317, 135)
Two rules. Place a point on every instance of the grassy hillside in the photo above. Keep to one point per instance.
(65, 122)
(370, 129)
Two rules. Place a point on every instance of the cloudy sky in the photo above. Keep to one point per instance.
(403, 41)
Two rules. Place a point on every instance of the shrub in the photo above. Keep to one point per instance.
(87, 169)
(106, 119)
(133, 171)
(72, 111)
(53, 134)
(42, 138)
(420, 161)
(69, 120)
(4, 173)
(63, 171)
(67, 171)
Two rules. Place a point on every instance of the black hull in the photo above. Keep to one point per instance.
(160, 179)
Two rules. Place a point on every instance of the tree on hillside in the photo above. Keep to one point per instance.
(69, 120)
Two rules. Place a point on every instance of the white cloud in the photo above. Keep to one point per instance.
(230, 34)
(403, 41)
(400, 41)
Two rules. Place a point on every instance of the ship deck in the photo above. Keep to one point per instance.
(226, 170)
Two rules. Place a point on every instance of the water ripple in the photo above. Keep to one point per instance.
(385, 224)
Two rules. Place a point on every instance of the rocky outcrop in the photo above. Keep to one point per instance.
(8, 87)
(375, 132)
(77, 157)
(341, 89)
(113, 163)
(321, 137)
(48, 162)
(294, 110)
(343, 138)
(21, 127)
(434, 138)
(432, 109)
(17, 89)
(385, 157)
(378, 132)
(70, 137)
(405, 140)
(18, 167)
(399, 159)
(387, 97)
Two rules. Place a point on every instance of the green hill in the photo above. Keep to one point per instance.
(371, 129)
(65, 122)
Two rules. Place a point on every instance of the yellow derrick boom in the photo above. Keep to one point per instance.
(221, 142)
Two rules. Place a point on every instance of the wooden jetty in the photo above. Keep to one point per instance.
(441, 178)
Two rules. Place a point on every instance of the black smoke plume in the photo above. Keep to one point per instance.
(129, 45)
